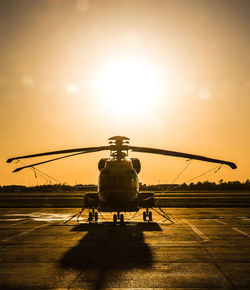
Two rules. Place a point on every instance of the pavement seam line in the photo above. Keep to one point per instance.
(220, 222)
(197, 231)
(21, 222)
(240, 231)
(23, 233)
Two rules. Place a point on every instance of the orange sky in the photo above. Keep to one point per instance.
(167, 74)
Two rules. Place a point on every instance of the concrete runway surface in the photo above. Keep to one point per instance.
(204, 248)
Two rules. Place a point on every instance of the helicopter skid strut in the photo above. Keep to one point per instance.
(147, 216)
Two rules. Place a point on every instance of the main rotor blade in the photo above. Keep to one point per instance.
(88, 149)
(47, 161)
(180, 154)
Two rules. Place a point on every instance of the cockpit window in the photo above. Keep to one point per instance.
(117, 182)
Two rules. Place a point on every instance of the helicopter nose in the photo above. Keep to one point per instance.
(118, 196)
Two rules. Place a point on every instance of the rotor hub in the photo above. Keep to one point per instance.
(118, 147)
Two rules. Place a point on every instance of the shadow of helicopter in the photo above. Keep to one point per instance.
(106, 251)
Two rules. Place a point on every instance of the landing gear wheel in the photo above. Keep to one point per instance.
(144, 215)
(90, 217)
(121, 218)
(150, 217)
(115, 218)
(96, 216)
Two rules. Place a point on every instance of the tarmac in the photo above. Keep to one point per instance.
(164, 199)
(204, 248)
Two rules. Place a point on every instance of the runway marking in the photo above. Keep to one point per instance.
(220, 222)
(21, 222)
(240, 231)
(10, 220)
(23, 233)
(197, 231)
(40, 216)
(18, 214)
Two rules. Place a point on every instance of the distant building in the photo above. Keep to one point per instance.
(13, 188)
(85, 187)
(166, 186)
(158, 187)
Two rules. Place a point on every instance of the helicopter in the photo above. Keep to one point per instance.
(118, 183)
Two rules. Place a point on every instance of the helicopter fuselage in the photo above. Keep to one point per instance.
(118, 186)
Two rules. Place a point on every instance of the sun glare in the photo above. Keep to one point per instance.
(72, 89)
(127, 87)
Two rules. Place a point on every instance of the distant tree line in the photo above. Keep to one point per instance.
(48, 188)
(199, 186)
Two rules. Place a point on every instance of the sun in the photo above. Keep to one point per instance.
(72, 89)
(127, 87)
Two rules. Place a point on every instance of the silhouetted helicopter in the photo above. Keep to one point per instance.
(118, 185)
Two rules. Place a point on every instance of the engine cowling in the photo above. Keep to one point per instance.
(136, 164)
(101, 163)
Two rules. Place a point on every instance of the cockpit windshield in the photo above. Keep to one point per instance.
(110, 182)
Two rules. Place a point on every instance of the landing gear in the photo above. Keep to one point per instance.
(147, 215)
(93, 215)
(117, 217)
(90, 217)
(150, 216)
